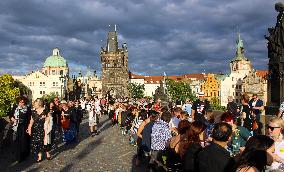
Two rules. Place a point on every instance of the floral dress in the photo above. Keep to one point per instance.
(37, 142)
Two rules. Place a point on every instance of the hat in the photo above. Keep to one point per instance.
(63, 102)
(200, 94)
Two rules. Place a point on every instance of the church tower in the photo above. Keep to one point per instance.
(114, 62)
(240, 64)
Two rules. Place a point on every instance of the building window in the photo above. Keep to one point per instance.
(233, 86)
(41, 84)
(53, 72)
(61, 72)
(232, 78)
(55, 84)
(40, 92)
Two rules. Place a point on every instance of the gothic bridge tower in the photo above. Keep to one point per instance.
(114, 62)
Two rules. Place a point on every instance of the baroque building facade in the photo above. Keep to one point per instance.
(240, 66)
(52, 78)
(90, 83)
(211, 87)
(114, 60)
(256, 83)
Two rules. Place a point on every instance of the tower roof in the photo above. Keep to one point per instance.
(89, 73)
(55, 60)
(112, 43)
(240, 50)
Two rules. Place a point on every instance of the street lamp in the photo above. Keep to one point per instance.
(62, 79)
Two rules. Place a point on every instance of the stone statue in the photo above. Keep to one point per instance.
(160, 93)
(276, 57)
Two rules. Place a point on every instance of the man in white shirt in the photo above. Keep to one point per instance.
(175, 120)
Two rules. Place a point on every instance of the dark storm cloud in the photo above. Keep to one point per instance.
(173, 36)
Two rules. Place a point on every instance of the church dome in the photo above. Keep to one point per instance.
(55, 60)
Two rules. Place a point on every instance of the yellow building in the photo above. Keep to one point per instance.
(211, 87)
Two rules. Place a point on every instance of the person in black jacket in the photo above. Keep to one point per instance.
(214, 157)
(246, 113)
(20, 117)
(199, 108)
(79, 115)
(232, 106)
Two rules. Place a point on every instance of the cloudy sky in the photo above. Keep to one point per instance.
(172, 36)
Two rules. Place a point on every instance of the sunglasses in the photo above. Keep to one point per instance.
(271, 128)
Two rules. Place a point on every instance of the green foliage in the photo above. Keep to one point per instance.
(216, 105)
(49, 97)
(24, 90)
(179, 89)
(136, 90)
(8, 93)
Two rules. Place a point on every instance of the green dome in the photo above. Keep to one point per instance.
(55, 60)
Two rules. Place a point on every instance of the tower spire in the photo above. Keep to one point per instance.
(240, 47)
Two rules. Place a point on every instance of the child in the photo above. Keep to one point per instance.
(209, 122)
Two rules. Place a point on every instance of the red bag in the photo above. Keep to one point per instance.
(65, 123)
(114, 116)
(254, 125)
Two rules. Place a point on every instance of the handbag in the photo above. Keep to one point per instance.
(254, 125)
(65, 122)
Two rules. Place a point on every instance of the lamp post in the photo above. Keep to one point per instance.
(63, 81)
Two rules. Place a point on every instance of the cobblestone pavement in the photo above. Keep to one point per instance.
(108, 151)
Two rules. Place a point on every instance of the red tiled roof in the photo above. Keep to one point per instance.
(157, 79)
(198, 76)
(261, 73)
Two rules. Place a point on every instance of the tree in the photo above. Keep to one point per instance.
(8, 93)
(179, 89)
(136, 90)
(216, 105)
(50, 97)
(24, 90)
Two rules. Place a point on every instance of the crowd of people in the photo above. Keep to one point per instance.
(190, 137)
(40, 126)
(169, 137)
